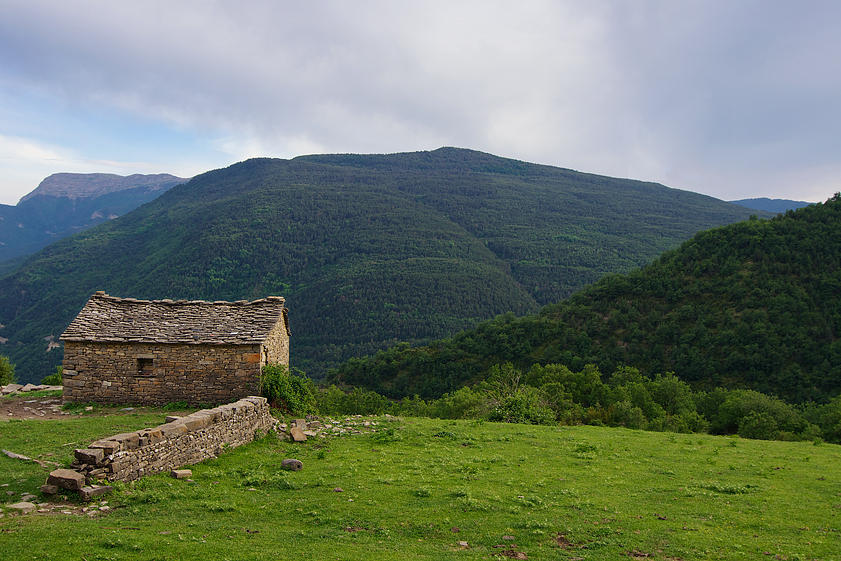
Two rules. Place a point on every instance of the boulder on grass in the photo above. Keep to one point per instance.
(66, 479)
(292, 464)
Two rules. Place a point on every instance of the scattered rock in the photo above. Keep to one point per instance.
(15, 456)
(49, 489)
(11, 388)
(292, 464)
(172, 418)
(297, 434)
(181, 473)
(338, 490)
(463, 545)
(23, 507)
(89, 492)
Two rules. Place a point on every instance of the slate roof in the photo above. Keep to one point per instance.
(194, 322)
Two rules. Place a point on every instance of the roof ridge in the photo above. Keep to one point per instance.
(101, 294)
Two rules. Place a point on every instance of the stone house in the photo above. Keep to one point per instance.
(124, 350)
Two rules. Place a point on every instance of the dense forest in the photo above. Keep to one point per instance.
(751, 305)
(368, 250)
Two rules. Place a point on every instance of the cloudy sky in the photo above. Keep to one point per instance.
(730, 98)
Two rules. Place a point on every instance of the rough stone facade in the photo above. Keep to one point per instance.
(122, 350)
(108, 373)
(185, 441)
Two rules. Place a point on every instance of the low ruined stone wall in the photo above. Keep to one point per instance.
(184, 441)
(159, 373)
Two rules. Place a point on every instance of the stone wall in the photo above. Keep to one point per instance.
(276, 348)
(184, 441)
(159, 373)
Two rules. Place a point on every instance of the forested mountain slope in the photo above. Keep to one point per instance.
(368, 250)
(753, 305)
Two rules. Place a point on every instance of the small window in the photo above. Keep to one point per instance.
(145, 367)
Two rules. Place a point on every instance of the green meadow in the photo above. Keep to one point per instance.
(436, 489)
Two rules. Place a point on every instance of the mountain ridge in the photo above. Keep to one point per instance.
(771, 205)
(65, 203)
(405, 247)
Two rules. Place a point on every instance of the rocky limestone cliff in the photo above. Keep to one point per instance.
(87, 185)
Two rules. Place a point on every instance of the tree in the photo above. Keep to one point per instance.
(7, 371)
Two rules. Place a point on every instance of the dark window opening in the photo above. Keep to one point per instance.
(144, 367)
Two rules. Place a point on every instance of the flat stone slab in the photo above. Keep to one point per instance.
(108, 446)
(297, 434)
(49, 489)
(127, 440)
(92, 456)
(66, 479)
(181, 473)
(23, 507)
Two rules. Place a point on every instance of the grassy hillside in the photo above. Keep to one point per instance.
(417, 487)
(755, 304)
(368, 250)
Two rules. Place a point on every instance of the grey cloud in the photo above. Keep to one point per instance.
(727, 98)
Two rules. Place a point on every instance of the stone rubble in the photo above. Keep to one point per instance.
(12, 389)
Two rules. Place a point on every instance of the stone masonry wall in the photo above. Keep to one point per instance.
(184, 441)
(276, 346)
(159, 373)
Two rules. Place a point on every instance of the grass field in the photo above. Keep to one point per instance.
(418, 487)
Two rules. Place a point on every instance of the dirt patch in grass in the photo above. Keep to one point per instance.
(24, 406)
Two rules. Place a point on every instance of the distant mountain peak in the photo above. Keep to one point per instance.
(88, 185)
(771, 205)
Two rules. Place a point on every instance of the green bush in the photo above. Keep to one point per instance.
(626, 414)
(289, 392)
(754, 413)
(524, 405)
(760, 425)
(464, 403)
(356, 402)
(7, 371)
(53, 379)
